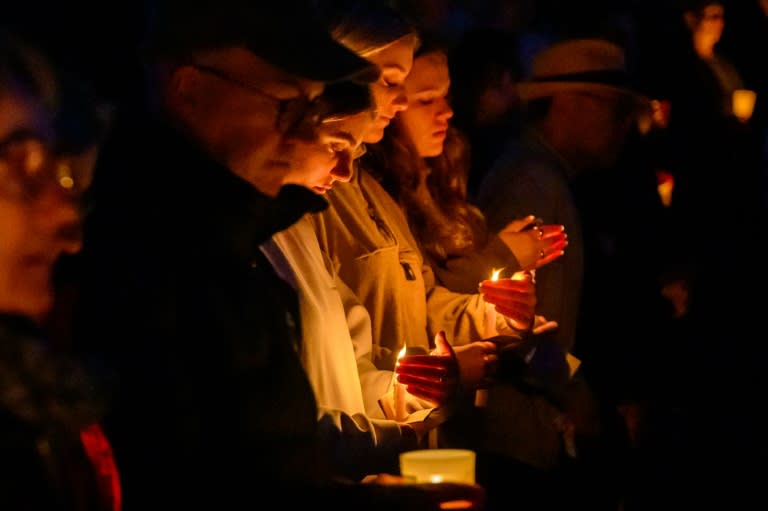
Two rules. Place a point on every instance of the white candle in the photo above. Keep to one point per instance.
(490, 312)
(481, 395)
(399, 391)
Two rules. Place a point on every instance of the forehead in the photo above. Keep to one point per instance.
(350, 128)
(430, 72)
(19, 111)
(398, 56)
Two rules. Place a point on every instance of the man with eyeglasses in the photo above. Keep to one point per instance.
(211, 405)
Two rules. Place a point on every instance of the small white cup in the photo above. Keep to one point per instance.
(438, 465)
(743, 103)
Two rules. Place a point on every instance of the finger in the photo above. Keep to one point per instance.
(434, 397)
(431, 384)
(545, 327)
(519, 224)
(487, 346)
(505, 285)
(557, 246)
(549, 258)
(437, 362)
(550, 231)
(442, 347)
(508, 296)
(422, 373)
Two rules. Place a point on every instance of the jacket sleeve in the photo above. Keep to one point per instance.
(461, 316)
(463, 274)
(359, 445)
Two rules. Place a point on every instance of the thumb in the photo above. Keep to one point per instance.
(519, 224)
(442, 346)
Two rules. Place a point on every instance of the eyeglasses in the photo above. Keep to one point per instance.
(292, 113)
(28, 167)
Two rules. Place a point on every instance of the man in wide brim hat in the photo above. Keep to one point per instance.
(578, 65)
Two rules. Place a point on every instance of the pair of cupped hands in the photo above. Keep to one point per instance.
(436, 377)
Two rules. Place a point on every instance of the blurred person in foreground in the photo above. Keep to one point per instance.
(53, 452)
(213, 405)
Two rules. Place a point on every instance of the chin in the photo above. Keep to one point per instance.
(374, 135)
(432, 151)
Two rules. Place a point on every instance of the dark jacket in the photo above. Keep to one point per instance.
(211, 400)
(46, 401)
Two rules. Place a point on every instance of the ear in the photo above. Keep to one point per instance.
(184, 84)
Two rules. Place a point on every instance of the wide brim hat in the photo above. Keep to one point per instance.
(287, 33)
(577, 65)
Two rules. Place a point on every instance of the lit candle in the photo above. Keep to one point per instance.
(399, 393)
(490, 312)
(743, 104)
(481, 395)
(665, 185)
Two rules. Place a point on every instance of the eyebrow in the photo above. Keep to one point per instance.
(431, 88)
(393, 65)
(343, 135)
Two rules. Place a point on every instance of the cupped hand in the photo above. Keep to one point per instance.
(433, 377)
(534, 244)
(477, 363)
(515, 298)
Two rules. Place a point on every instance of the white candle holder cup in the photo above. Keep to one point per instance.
(438, 466)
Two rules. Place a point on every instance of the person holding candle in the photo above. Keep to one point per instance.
(423, 163)
(367, 239)
(580, 109)
(363, 442)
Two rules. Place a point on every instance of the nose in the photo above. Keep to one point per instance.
(445, 112)
(58, 219)
(342, 171)
(400, 101)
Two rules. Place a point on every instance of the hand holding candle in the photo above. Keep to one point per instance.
(433, 377)
(513, 297)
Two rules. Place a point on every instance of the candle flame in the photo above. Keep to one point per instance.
(495, 274)
(402, 353)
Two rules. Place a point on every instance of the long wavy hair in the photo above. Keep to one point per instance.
(432, 191)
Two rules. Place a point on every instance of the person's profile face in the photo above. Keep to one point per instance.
(328, 159)
(38, 222)
(426, 118)
(599, 121)
(395, 62)
(248, 110)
